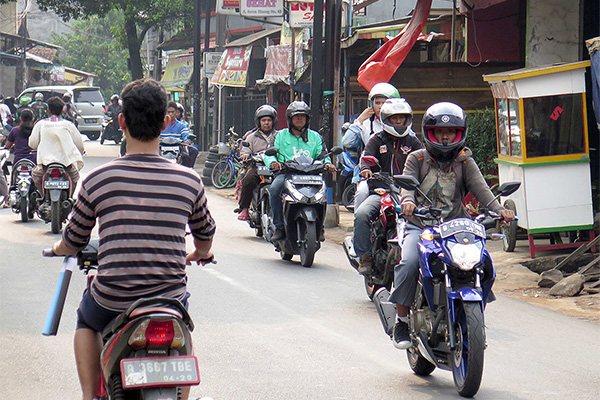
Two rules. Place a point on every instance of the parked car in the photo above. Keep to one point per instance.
(88, 101)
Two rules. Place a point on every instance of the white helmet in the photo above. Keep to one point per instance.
(39, 96)
(394, 107)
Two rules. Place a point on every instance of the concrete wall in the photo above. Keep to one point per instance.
(41, 24)
(552, 32)
(8, 18)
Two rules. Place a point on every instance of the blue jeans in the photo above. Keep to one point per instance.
(276, 200)
(362, 223)
(406, 272)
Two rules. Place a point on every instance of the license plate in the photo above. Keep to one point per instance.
(159, 371)
(56, 185)
(461, 225)
(169, 149)
(90, 120)
(307, 180)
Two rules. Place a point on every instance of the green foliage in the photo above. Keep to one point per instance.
(481, 140)
(94, 47)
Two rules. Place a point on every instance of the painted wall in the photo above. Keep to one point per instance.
(552, 32)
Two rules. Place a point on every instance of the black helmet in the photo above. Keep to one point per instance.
(395, 106)
(265, 111)
(444, 115)
(295, 108)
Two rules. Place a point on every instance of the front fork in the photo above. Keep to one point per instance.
(451, 309)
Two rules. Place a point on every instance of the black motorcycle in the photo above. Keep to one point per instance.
(111, 129)
(56, 201)
(304, 206)
(23, 195)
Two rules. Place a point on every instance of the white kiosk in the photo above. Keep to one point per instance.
(543, 142)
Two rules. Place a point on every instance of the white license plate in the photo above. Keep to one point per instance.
(90, 120)
(307, 180)
(169, 149)
(56, 185)
(159, 371)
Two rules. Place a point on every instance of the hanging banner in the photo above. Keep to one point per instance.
(233, 67)
(178, 71)
(261, 8)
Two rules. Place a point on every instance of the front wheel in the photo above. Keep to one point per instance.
(308, 248)
(56, 222)
(23, 208)
(467, 367)
(222, 174)
(510, 229)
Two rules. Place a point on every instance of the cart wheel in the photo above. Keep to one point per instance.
(510, 229)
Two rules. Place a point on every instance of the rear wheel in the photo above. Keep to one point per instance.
(308, 231)
(348, 197)
(467, 367)
(509, 229)
(419, 364)
(23, 209)
(55, 223)
(93, 135)
(222, 174)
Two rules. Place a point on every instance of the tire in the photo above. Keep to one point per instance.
(467, 358)
(348, 197)
(221, 174)
(102, 140)
(510, 229)
(24, 211)
(285, 256)
(419, 364)
(56, 223)
(308, 231)
(93, 135)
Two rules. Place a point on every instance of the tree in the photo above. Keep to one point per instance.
(139, 17)
(94, 47)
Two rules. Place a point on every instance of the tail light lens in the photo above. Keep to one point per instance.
(24, 168)
(157, 333)
(55, 173)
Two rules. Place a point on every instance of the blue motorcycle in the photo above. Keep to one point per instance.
(347, 165)
(456, 275)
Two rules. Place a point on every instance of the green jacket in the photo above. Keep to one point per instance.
(289, 145)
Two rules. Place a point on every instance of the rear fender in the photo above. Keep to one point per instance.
(55, 194)
(159, 393)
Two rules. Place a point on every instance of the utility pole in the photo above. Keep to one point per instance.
(205, 95)
(331, 71)
(196, 73)
(317, 66)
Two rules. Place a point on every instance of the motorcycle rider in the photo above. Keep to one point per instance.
(39, 106)
(24, 105)
(180, 130)
(18, 139)
(296, 139)
(69, 111)
(114, 107)
(391, 146)
(259, 139)
(142, 203)
(366, 125)
(447, 172)
(56, 141)
(5, 116)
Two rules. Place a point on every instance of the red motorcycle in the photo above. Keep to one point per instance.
(386, 233)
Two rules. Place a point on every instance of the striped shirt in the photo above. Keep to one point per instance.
(142, 204)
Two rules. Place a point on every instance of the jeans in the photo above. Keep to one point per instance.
(362, 192)
(362, 223)
(276, 200)
(406, 272)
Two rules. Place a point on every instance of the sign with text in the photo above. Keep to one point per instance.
(261, 8)
(301, 14)
(233, 67)
(228, 7)
(210, 61)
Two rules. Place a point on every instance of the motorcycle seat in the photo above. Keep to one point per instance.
(153, 310)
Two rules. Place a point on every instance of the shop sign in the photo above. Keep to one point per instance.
(210, 61)
(261, 8)
(233, 67)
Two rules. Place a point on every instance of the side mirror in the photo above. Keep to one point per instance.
(335, 150)
(245, 144)
(508, 188)
(272, 151)
(407, 182)
(370, 161)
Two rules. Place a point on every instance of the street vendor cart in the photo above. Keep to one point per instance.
(542, 141)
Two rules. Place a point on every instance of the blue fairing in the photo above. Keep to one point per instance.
(466, 294)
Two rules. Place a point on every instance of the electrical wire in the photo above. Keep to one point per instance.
(475, 39)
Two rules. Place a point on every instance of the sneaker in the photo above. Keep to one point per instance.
(278, 235)
(243, 215)
(365, 265)
(401, 338)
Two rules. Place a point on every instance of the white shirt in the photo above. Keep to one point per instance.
(365, 128)
(57, 140)
(4, 113)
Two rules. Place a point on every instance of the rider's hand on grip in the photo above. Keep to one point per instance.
(408, 208)
(366, 173)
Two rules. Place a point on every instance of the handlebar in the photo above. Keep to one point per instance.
(48, 253)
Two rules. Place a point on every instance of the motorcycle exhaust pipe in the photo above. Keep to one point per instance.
(385, 309)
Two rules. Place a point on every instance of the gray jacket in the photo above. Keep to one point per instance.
(258, 141)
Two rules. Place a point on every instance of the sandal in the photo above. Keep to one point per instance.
(243, 215)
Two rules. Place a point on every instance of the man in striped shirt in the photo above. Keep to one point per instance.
(142, 203)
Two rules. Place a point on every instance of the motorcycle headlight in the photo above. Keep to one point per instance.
(466, 256)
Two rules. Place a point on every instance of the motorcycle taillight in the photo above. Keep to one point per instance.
(157, 333)
(55, 173)
(24, 168)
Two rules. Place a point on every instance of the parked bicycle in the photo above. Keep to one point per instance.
(227, 171)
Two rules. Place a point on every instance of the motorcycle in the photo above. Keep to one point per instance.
(172, 149)
(23, 195)
(4, 155)
(56, 201)
(111, 129)
(347, 164)
(147, 350)
(456, 274)
(304, 206)
(386, 232)
(260, 195)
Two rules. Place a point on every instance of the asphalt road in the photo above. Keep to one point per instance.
(271, 329)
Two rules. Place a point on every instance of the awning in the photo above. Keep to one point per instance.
(179, 71)
(246, 40)
(185, 38)
(233, 67)
(37, 62)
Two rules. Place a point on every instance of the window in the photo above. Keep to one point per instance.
(92, 95)
(509, 132)
(554, 125)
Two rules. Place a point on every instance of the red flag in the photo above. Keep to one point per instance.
(382, 64)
